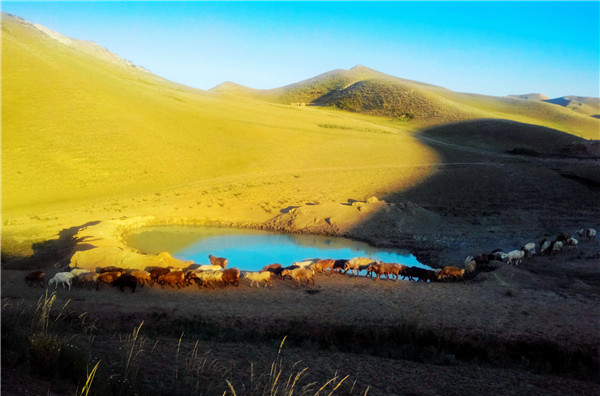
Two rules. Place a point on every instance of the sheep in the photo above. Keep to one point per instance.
(563, 236)
(107, 277)
(499, 255)
(78, 271)
(87, 278)
(259, 277)
(587, 233)
(124, 281)
(63, 278)
(209, 267)
(451, 272)
(270, 267)
(529, 249)
(339, 265)
(35, 278)
(545, 246)
(387, 269)
(471, 264)
(142, 277)
(321, 265)
(515, 256)
(206, 277)
(111, 268)
(231, 276)
(421, 274)
(556, 248)
(300, 274)
(156, 272)
(572, 243)
(355, 264)
(176, 278)
(305, 263)
(220, 261)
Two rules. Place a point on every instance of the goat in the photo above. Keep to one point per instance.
(111, 268)
(78, 271)
(259, 277)
(572, 243)
(156, 272)
(557, 247)
(87, 279)
(270, 267)
(204, 278)
(107, 277)
(339, 265)
(529, 249)
(220, 261)
(63, 278)
(35, 278)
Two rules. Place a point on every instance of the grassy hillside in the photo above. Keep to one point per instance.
(581, 104)
(87, 136)
(366, 91)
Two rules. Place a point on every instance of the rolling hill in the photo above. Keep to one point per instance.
(364, 90)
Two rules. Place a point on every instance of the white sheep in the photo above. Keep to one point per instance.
(62, 277)
(79, 271)
(529, 249)
(515, 256)
(470, 264)
(209, 267)
(259, 277)
(572, 243)
(588, 233)
(545, 246)
(305, 263)
(557, 247)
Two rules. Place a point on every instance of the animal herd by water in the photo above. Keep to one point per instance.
(216, 274)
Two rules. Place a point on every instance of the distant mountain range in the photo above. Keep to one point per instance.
(581, 104)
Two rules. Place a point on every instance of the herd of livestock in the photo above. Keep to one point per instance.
(217, 273)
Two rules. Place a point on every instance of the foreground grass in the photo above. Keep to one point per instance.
(53, 343)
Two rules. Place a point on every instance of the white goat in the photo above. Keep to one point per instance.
(588, 233)
(529, 249)
(557, 247)
(572, 243)
(62, 277)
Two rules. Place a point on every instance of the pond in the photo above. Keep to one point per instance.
(250, 250)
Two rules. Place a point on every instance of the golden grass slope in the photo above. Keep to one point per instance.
(87, 137)
(367, 91)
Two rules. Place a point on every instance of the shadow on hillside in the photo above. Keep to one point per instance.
(53, 252)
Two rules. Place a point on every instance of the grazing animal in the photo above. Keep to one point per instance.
(587, 233)
(79, 271)
(257, 277)
(35, 278)
(339, 265)
(209, 267)
(107, 277)
(545, 246)
(270, 267)
(471, 264)
(87, 279)
(557, 247)
(387, 269)
(220, 261)
(124, 281)
(156, 272)
(299, 275)
(451, 273)
(563, 236)
(204, 278)
(64, 278)
(111, 268)
(176, 278)
(305, 263)
(356, 263)
(572, 243)
(421, 274)
(231, 276)
(142, 277)
(529, 249)
(515, 256)
(321, 265)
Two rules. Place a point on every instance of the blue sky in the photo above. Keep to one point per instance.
(493, 48)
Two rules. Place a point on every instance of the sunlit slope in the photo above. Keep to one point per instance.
(79, 127)
(363, 90)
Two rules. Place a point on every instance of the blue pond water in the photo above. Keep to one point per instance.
(250, 250)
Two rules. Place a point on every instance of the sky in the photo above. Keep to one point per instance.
(491, 48)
